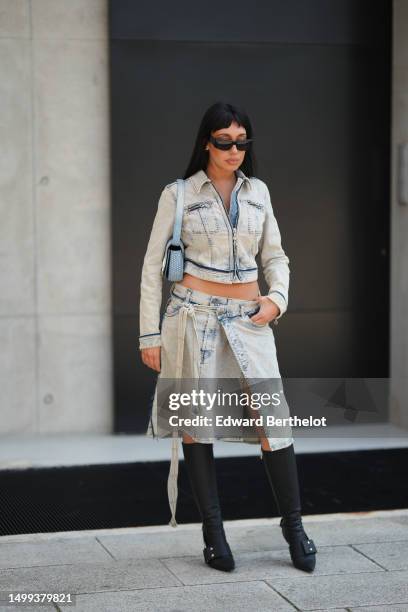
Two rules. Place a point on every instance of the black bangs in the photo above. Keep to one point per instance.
(220, 115)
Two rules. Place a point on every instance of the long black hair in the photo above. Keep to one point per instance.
(220, 115)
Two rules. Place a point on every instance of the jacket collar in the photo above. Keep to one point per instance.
(200, 178)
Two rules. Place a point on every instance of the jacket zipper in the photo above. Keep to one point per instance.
(233, 229)
(198, 205)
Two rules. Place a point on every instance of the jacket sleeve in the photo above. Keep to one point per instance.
(275, 263)
(151, 285)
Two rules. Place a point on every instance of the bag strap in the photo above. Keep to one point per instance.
(179, 213)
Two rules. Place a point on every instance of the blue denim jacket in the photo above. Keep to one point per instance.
(219, 245)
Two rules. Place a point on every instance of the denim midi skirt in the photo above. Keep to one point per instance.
(212, 338)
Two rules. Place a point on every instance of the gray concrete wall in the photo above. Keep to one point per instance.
(399, 221)
(55, 323)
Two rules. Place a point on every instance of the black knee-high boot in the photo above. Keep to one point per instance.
(200, 465)
(281, 469)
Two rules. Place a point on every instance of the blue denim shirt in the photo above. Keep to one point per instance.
(233, 209)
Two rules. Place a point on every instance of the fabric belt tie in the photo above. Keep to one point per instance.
(185, 310)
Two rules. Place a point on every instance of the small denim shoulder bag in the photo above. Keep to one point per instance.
(173, 260)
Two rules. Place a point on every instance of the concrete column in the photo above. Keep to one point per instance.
(55, 302)
(399, 221)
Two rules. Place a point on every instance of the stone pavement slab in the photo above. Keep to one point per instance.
(88, 577)
(266, 535)
(179, 542)
(227, 597)
(389, 555)
(347, 590)
(359, 528)
(53, 552)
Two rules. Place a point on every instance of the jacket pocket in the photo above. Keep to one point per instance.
(254, 216)
(173, 305)
(250, 313)
(201, 218)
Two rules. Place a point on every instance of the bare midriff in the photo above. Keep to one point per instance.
(243, 291)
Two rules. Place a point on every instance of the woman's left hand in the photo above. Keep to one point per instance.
(267, 312)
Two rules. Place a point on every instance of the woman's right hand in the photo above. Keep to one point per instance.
(151, 357)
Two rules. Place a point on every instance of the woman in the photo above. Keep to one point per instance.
(216, 323)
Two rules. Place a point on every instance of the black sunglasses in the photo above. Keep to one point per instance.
(226, 145)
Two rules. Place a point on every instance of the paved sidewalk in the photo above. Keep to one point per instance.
(361, 564)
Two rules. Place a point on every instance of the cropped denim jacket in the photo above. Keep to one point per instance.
(216, 249)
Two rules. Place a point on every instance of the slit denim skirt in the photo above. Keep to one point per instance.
(212, 337)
